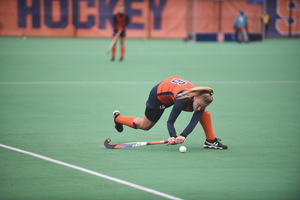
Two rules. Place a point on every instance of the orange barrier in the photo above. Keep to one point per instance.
(217, 16)
(148, 18)
(16, 21)
(91, 18)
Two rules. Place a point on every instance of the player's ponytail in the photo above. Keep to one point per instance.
(204, 92)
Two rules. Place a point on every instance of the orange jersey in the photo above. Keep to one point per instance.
(164, 95)
(120, 21)
(169, 88)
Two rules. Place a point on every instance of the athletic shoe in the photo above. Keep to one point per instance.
(121, 59)
(113, 58)
(215, 144)
(118, 126)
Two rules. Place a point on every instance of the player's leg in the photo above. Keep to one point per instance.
(150, 118)
(211, 141)
(152, 115)
(113, 52)
(120, 120)
(239, 36)
(245, 36)
(206, 123)
(144, 124)
(122, 42)
(113, 49)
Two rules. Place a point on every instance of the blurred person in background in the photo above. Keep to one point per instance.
(241, 26)
(121, 20)
(265, 18)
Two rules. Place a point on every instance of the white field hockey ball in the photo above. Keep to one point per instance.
(182, 149)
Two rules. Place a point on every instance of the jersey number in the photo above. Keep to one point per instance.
(178, 81)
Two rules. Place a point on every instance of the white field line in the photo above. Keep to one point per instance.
(144, 83)
(149, 53)
(92, 172)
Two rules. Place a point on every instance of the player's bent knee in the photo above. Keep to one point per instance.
(145, 127)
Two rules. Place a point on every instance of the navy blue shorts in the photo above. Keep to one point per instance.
(122, 33)
(153, 114)
(154, 107)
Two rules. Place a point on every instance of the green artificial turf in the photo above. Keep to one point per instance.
(57, 96)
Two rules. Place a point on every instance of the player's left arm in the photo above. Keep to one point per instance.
(190, 127)
(178, 106)
(176, 110)
(126, 22)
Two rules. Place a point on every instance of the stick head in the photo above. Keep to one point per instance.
(107, 145)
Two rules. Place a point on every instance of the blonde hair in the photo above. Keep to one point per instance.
(204, 92)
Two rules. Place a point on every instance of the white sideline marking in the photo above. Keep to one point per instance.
(144, 82)
(149, 53)
(92, 172)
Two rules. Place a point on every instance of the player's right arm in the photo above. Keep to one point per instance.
(176, 110)
(179, 105)
(126, 22)
(115, 22)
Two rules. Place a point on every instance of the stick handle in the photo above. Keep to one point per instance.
(132, 144)
(158, 142)
(114, 40)
(118, 34)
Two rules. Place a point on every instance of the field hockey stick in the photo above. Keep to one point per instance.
(132, 144)
(114, 40)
